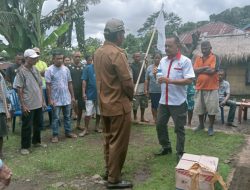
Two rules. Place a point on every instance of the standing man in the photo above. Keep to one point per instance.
(207, 85)
(177, 72)
(11, 71)
(89, 93)
(115, 91)
(224, 95)
(140, 98)
(29, 85)
(41, 66)
(4, 113)
(76, 69)
(60, 95)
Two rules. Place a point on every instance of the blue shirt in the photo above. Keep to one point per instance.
(88, 75)
(59, 77)
(153, 86)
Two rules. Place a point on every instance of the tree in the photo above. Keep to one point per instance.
(172, 24)
(91, 45)
(21, 25)
(132, 44)
(172, 21)
(236, 16)
(71, 11)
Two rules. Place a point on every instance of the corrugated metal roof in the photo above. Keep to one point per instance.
(211, 29)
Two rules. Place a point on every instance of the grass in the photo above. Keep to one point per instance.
(84, 157)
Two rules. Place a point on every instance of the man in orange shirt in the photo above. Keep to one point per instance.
(207, 85)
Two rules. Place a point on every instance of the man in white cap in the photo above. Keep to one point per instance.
(115, 93)
(29, 85)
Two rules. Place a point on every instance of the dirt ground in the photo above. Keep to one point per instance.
(239, 179)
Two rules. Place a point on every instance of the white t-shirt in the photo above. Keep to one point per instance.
(179, 69)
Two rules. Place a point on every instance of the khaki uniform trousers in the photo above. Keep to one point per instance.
(116, 131)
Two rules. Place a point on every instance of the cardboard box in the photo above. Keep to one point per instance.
(200, 168)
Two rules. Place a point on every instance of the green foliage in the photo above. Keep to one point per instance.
(172, 22)
(236, 16)
(91, 45)
(53, 37)
(132, 44)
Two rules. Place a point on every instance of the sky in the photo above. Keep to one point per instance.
(135, 12)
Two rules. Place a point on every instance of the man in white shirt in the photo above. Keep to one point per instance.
(177, 72)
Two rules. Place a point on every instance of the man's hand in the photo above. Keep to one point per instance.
(44, 106)
(155, 71)
(222, 103)
(5, 175)
(51, 103)
(164, 80)
(25, 110)
(73, 101)
(84, 96)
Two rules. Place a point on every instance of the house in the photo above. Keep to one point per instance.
(247, 28)
(210, 29)
(234, 52)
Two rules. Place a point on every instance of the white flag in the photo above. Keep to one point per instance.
(160, 27)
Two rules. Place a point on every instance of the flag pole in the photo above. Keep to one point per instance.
(144, 60)
(149, 45)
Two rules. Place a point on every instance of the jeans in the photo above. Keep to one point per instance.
(66, 119)
(232, 105)
(179, 115)
(33, 120)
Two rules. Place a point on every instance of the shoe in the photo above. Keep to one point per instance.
(79, 127)
(232, 124)
(71, 135)
(24, 151)
(119, 185)
(164, 151)
(98, 130)
(210, 131)
(199, 128)
(84, 133)
(54, 139)
(40, 145)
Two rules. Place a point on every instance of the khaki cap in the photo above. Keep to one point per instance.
(114, 25)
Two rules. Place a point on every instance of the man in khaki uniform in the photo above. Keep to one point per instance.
(115, 93)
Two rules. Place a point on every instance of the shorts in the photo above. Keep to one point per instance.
(190, 101)
(3, 125)
(80, 103)
(207, 101)
(92, 108)
(140, 100)
(155, 98)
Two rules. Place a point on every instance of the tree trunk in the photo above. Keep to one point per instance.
(80, 32)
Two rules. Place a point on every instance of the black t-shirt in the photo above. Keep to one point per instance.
(11, 72)
(76, 75)
(136, 67)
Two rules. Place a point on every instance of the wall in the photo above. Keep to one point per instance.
(236, 75)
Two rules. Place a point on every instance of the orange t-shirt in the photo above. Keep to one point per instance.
(207, 81)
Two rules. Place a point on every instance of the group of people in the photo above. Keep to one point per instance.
(105, 86)
(68, 87)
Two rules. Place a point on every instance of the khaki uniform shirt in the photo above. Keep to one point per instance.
(111, 68)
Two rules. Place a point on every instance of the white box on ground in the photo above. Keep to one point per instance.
(194, 172)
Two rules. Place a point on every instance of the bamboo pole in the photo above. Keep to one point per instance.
(144, 61)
